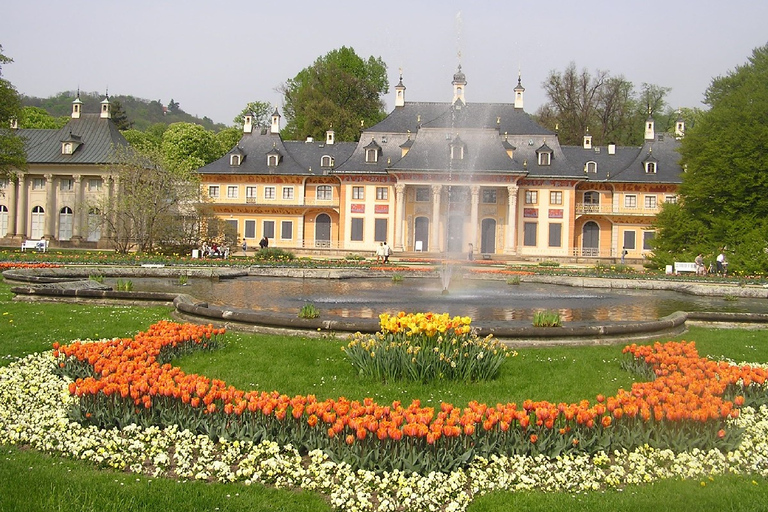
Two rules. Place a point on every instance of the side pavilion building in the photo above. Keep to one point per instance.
(447, 177)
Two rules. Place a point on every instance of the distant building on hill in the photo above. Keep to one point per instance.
(434, 177)
(65, 173)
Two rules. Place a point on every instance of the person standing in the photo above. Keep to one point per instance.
(386, 251)
(245, 247)
(264, 242)
(380, 253)
(722, 264)
(699, 262)
(471, 253)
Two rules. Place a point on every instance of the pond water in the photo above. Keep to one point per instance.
(480, 299)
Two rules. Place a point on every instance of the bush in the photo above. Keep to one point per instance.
(513, 280)
(274, 254)
(309, 310)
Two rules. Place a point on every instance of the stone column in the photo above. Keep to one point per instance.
(78, 208)
(399, 216)
(13, 195)
(49, 224)
(435, 240)
(473, 216)
(511, 244)
(21, 213)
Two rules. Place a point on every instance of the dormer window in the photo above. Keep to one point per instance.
(372, 151)
(70, 144)
(66, 148)
(234, 160)
(650, 167)
(457, 149)
(326, 161)
(544, 155)
(590, 167)
(273, 157)
(650, 164)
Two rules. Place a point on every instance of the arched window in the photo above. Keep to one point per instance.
(94, 225)
(3, 220)
(38, 223)
(65, 223)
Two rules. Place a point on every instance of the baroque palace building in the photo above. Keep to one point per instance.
(436, 177)
(53, 198)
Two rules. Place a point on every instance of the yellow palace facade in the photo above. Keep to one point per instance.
(447, 177)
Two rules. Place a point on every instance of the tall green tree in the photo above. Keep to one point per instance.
(187, 146)
(12, 155)
(340, 91)
(260, 110)
(724, 192)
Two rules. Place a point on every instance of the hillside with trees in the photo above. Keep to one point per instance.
(127, 111)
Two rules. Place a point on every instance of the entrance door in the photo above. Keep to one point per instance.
(38, 223)
(421, 234)
(590, 243)
(65, 223)
(455, 234)
(488, 236)
(323, 230)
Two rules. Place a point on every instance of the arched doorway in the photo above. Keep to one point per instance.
(94, 225)
(65, 223)
(3, 220)
(590, 239)
(323, 230)
(488, 236)
(455, 234)
(421, 234)
(38, 223)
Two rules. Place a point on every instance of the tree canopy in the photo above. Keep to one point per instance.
(260, 110)
(724, 192)
(607, 107)
(340, 91)
(12, 155)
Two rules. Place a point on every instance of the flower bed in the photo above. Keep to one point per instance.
(689, 396)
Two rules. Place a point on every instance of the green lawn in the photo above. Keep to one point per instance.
(299, 365)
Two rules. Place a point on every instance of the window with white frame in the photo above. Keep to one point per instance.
(382, 193)
(286, 230)
(4, 183)
(648, 237)
(213, 191)
(591, 167)
(555, 197)
(670, 199)
(371, 156)
(66, 185)
(545, 158)
(629, 240)
(250, 229)
(250, 194)
(324, 192)
(531, 196)
(650, 202)
(38, 184)
(272, 160)
(234, 160)
(326, 161)
(630, 201)
(358, 192)
(94, 184)
(232, 191)
(268, 229)
(269, 192)
(288, 193)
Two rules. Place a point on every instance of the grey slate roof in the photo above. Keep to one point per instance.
(97, 140)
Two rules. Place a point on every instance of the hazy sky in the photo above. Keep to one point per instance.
(215, 57)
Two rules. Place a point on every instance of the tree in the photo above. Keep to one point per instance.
(606, 106)
(187, 146)
(39, 118)
(173, 106)
(12, 154)
(340, 91)
(156, 202)
(119, 117)
(724, 191)
(260, 110)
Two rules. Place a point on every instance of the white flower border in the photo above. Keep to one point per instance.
(33, 412)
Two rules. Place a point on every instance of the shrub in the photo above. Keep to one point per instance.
(96, 277)
(274, 254)
(124, 286)
(549, 264)
(309, 310)
(397, 278)
(513, 280)
(547, 319)
(424, 347)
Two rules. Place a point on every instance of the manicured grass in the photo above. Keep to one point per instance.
(300, 365)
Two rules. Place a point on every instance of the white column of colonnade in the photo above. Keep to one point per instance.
(399, 216)
(510, 242)
(435, 242)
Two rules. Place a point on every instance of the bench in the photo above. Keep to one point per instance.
(684, 266)
(40, 245)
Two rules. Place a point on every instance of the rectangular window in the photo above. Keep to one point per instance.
(629, 240)
(357, 229)
(531, 196)
(269, 192)
(268, 228)
(65, 185)
(38, 184)
(232, 191)
(286, 230)
(489, 196)
(422, 195)
(650, 202)
(380, 230)
(555, 197)
(648, 237)
(358, 192)
(324, 192)
(555, 234)
(529, 234)
(250, 229)
(232, 226)
(670, 199)
(630, 201)
(288, 193)
(382, 193)
(94, 184)
(213, 191)
(250, 194)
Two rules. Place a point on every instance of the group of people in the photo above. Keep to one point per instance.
(263, 244)
(720, 265)
(383, 251)
(214, 251)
